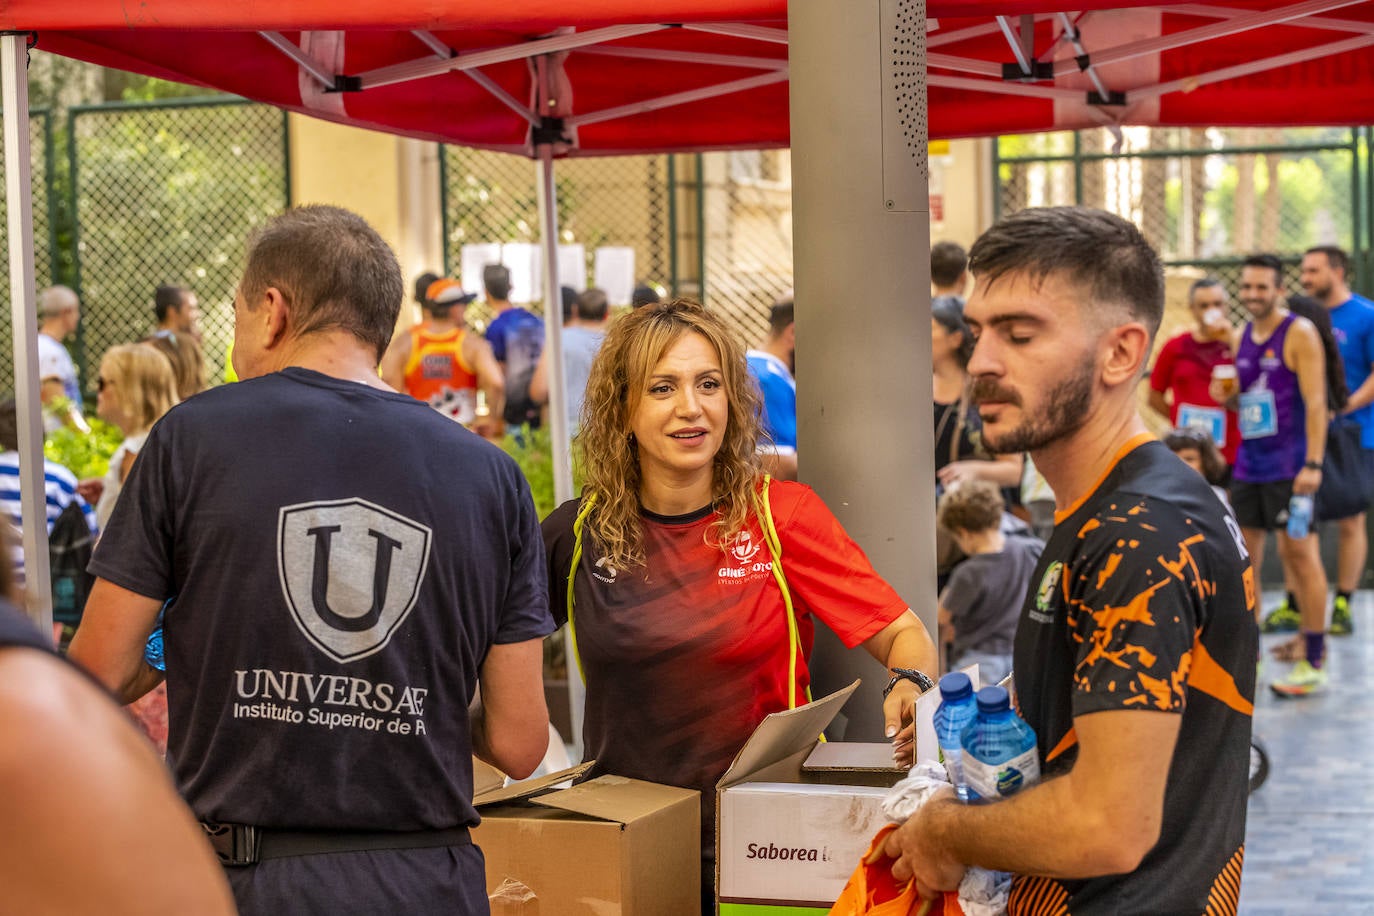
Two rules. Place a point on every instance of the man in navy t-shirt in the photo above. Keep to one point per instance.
(1324, 278)
(341, 566)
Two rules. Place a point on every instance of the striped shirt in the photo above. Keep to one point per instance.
(60, 485)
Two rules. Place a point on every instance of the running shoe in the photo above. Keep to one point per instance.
(1341, 623)
(1282, 619)
(1303, 680)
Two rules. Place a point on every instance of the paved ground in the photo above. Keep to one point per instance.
(1310, 835)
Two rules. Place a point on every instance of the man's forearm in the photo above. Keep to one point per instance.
(1043, 830)
(1316, 423)
(1362, 396)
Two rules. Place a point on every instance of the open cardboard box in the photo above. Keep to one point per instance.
(606, 846)
(794, 814)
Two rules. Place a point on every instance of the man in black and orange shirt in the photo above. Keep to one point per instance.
(1135, 655)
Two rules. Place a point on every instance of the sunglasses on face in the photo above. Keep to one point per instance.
(101, 382)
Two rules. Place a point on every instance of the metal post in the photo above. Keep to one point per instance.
(559, 438)
(862, 254)
(14, 99)
(559, 435)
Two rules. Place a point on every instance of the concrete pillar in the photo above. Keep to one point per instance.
(861, 242)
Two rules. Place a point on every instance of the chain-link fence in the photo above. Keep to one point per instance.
(491, 199)
(748, 230)
(168, 194)
(41, 149)
(1206, 198)
(714, 226)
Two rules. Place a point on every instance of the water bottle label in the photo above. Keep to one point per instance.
(999, 780)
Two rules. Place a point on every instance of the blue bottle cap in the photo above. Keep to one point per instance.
(955, 686)
(993, 699)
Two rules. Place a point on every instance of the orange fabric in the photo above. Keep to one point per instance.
(1215, 681)
(436, 368)
(872, 891)
(1131, 445)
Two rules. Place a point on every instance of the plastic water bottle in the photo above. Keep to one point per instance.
(957, 709)
(1000, 755)
(1299, 516)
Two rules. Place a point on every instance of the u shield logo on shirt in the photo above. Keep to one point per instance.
(350, 572)
(1044, 595)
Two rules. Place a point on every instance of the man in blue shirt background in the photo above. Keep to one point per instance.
(1324, 278)
(772, 365)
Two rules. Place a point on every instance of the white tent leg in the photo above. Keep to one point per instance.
(19, 195)
(559, 434)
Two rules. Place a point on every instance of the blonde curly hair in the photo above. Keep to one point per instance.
(610, 458)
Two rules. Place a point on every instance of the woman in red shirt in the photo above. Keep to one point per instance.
(684, 632)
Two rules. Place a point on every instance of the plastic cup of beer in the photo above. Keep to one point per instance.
(1225, 376)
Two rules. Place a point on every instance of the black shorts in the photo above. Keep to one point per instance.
(1261, 505)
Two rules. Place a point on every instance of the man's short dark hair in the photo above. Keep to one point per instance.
(644, 294)
(1096, 250)
(1336, 257)
(947, 261)
(780, 316)
(422, 283)
(9, 426)
(1270, 261)
(1204, 283)
(167, 297)
(496, 280)
(333, 269)
(568, 297)
(592, 305)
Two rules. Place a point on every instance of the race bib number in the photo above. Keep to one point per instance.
(1211, 420)
(1258, 417)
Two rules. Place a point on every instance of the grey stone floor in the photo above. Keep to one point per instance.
(1310, 833)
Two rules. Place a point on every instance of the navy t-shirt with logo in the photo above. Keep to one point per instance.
(341, 559)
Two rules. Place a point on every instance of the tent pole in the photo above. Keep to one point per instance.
(559, 434)
(19, 190)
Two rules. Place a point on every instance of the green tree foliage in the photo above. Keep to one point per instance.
(170, 195)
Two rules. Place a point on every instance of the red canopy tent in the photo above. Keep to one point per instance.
(605, 77)
(712, 74)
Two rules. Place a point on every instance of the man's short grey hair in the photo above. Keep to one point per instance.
(55, 300)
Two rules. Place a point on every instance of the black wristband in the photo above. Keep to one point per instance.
(1312, 465)
(919, 678)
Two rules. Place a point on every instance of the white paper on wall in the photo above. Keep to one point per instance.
(526, 277)
(471, 259)
(614, 272)
(572, 266)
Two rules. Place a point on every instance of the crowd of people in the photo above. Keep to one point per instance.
(344, 628)
(1285, 400)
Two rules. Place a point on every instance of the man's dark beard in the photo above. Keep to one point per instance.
(1066, 410)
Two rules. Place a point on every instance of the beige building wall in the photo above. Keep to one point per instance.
(960, 190)
(392, 182)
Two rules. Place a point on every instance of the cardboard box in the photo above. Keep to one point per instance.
(603, 847)
(794, 816)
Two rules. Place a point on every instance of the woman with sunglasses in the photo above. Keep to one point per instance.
(685, 627)
(135, 387)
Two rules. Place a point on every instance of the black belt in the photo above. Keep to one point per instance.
(244, 844)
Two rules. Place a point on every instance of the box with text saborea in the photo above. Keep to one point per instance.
(794, 815)
(609, 846)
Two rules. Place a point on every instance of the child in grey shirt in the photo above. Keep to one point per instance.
(981, 603)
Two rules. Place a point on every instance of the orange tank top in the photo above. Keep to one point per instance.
(437, 374)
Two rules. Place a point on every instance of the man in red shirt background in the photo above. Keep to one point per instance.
(1184, 366)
